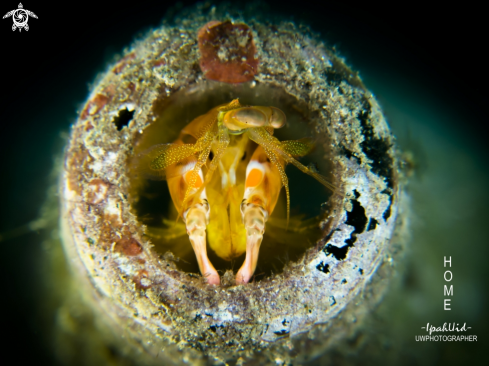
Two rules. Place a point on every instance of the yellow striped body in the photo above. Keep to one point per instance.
(225, 231)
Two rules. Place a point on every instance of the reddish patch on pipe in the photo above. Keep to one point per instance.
(97, 191)
(99, 101)
(159, 62)
(128, 246)
(88, 126)
(141, 280)
(123, 63)
(227, 52)
(94, 105)
(131, 86)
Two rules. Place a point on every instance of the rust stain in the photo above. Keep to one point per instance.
(94, 105)
(141, 280)
(97, 191)
(128, 246)
(123, 62)
(99, 101)
(227, 52)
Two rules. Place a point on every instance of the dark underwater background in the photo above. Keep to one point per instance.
(426, 66)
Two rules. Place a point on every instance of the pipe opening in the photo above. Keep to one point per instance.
(154, 208)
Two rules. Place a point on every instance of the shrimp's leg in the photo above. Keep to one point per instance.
(262, 188)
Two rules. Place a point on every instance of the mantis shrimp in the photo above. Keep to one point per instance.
(231, 212)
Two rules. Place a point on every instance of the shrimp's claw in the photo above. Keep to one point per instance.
(189, 197)
(262, 188)
(196, 218)
(254, 218)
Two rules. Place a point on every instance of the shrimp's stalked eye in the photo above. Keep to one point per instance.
(240, 119)
(277, 119)
(244, 118)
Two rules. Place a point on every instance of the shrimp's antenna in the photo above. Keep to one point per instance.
(263, 138)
